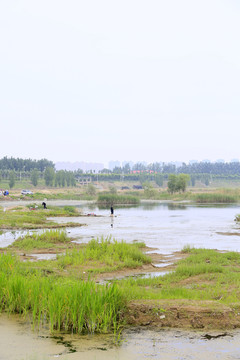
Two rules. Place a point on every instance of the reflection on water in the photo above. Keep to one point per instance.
(176, 206)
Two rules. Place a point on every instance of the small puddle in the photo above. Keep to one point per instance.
(163, 264)
(136, 276)
(44, 256)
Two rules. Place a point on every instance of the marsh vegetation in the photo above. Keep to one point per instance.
(35, 217)
(65, 294)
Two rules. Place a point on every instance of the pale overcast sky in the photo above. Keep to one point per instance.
(100, 80)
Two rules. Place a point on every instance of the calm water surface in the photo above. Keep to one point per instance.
(166, 226)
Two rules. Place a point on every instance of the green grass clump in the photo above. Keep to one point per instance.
(65, 304)
(215, 198)
(70, 304)
(114, 199)
(203, 275)
(47, 239)
(109, 253)
(34, 217)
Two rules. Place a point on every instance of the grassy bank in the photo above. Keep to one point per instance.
(48, 239)
(204, 286)
(63, 294)
(33, 217)
(63, 303)
(53, 293)
(204, 196)
(203, 275)
(104, 255)
(97, 256)
(215, 198)
(100, 192)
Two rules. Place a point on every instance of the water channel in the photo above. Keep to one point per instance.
(166, 227)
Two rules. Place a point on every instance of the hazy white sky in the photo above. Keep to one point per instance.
(100, 80)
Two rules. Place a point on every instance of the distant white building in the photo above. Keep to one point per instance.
(112, 164)
(79, 165)
(131, 163)
(193, 162)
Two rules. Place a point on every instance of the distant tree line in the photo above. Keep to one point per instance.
(18, 164)
(16, 169)
(216, 168)
(61, 178)
(232, 168)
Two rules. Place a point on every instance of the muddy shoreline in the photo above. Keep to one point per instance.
(174, 314)
(162, 314)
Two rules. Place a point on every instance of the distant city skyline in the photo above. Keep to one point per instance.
(86, 166)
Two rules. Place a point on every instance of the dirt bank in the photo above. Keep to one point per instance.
(187, 314)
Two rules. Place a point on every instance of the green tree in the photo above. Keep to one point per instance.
(117, 170)
(11, 179)
(34, 177)
(149, 191)
(178, 182)
(91, 190)
(68, 175)
(126, 168)
(159, 179)
(182, 181)
(143, 178)
(172, 183)
(72, 180)
(49, 176)
(112, 190)
(57, 179)
(193, 180)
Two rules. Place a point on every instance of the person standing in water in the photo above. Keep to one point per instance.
(112, 211)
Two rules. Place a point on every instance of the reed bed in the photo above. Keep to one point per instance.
(215, 198)
(204, 275)
(107, 252)
(65, 304)
(47, 239)
(114, 199)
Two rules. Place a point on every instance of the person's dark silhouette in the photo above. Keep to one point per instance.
(44, 205)
(112, 210)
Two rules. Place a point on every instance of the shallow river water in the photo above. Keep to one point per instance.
(167, 227)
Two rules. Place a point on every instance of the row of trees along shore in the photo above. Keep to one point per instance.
(14, 170)
(216, 168)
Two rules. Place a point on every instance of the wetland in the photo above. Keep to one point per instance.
(187, 285)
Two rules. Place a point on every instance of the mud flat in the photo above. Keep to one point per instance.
(18, 341)
(12, 203)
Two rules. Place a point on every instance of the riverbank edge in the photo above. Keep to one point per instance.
(183, 314)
